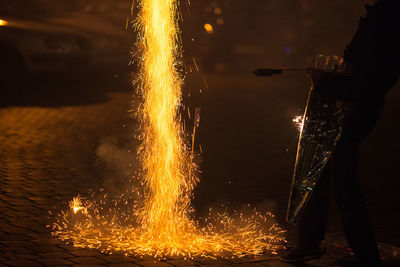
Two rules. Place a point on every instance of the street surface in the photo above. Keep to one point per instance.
(59, 141)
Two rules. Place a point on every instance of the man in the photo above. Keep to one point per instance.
(374, 55)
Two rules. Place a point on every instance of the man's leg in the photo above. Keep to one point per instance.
(356, 223)
(312, 224)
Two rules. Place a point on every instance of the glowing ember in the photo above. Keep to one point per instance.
(209, 28)
(3, 22)
(158, 219)
(76, 205)
(299, 122)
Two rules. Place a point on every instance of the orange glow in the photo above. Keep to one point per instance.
(209, 28)
(218, 11)
(155, 217)
(220, 21)
(3, 22)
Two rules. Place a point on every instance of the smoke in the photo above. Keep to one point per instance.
(117, 155)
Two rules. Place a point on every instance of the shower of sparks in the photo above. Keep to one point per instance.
(299, 122)
(163, 153)
(76, 205)
(157, 219)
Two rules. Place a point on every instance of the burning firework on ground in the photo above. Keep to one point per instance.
(158, 219)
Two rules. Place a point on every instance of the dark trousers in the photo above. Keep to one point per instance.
(341, 172)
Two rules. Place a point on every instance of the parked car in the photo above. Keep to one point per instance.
(110, 41)
(29, 47)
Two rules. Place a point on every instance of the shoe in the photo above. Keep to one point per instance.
(302, 254)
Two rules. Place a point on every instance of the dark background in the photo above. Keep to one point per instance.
(247, 136)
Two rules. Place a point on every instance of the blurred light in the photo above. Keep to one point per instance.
(3, 22)
(218, 11)
(288, 50)
(209, 28)
(220, 21)
(299, 122)
(208, 9)
(88, 8)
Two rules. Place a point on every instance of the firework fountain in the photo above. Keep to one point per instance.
(158, 219)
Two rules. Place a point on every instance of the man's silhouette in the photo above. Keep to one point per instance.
(374, 55)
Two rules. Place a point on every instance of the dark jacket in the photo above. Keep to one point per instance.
(374, 54)
(374, 51)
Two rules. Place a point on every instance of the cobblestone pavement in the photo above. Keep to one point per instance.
(48, 155)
